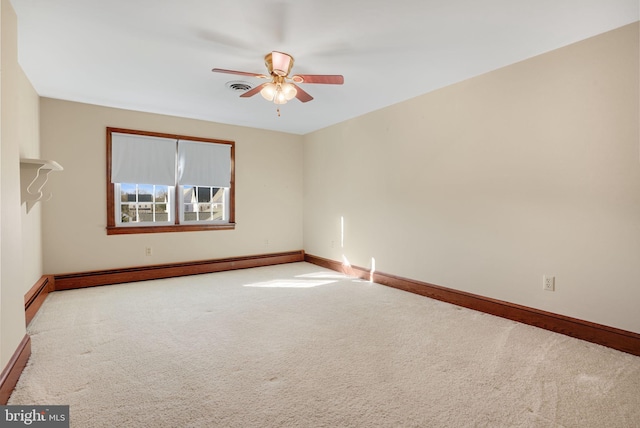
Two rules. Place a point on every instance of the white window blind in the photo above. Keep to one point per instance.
(143, 159)
(204, 164)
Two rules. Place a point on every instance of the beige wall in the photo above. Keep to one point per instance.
(20, 248)
(268, 192)
(489, 184)
(29, 138)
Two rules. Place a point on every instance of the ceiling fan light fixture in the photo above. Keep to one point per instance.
(279, 93)
(269, 91)
(289, 91)
(280, 98)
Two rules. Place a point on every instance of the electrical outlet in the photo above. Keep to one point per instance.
(147, 251)
(549, 283)
(266, 243)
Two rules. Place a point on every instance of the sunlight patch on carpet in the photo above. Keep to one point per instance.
(323, 275)
(291, 283)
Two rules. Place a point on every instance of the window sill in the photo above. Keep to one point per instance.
(126, 230)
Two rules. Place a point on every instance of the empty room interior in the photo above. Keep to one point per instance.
(439, 225)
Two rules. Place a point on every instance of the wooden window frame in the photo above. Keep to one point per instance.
(114, 229)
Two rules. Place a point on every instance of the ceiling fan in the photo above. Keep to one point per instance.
(283, 88)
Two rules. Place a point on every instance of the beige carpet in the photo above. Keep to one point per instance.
(300, 346)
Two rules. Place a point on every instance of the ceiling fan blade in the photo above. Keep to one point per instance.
(252, 92)
(241, 73)
(301, 94)
(331, 79)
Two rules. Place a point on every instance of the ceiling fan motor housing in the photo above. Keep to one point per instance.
(278, 63)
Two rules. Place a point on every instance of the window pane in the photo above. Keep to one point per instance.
(144, 203)
(218, 204)
(128, 203)
(161, 198)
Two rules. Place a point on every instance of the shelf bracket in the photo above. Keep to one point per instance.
(34, 174)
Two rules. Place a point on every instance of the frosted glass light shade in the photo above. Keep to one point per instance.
(280, 98)
(269, 91)
(289, 91)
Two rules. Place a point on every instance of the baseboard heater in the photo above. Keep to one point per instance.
(12, 371)
(143, 273)
(611, 337)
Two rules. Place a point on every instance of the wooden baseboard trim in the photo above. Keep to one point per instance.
(611, 337)
(13, 370)
(36, 295)
(142, 273)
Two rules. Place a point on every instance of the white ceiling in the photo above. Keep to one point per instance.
(157, 56)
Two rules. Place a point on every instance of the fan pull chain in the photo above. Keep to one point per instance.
(278, 110)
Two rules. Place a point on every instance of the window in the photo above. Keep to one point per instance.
(168, 183)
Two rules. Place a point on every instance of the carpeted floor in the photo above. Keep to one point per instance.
(300, 346)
